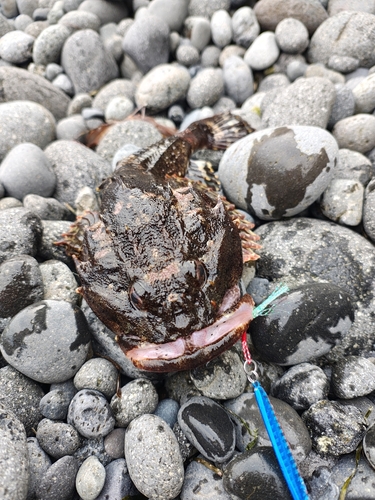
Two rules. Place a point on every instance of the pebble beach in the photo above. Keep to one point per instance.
(77, 419)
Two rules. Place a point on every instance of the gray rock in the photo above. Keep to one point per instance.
(162, 87)
(353, 165)
(198, 29)
(92, 447)
(52, 231)
(138, 397)
(342, 201)
(26, 170)
(75, 167)
(114, 443)
(8, 201)
(343, 64)
(36, 344)
(147, 42)
(39, 463)
(198, 478)
(35, 28)
(54, 405)
(118, 484)
(80, 20)
(238, 79)
(364, 95)
(292, 36)
(20, 232)
(20, 284)
(205, 88)
(90, 413)
(207, 8)
(119, 108)
(58, 281)
(263, 52)
(153, 458)
(167, 409)
(45, 208)
(334, 429)
(21, 395)
(345, 34)
(99, 374)
(343, 106)
(307, 101)
(5, 25)
(24, 121)
(221, 28)
(187, 55)
(16, 47)
(48, 45)
(336, 6)
(173, 12)
(136, 132)
(79, 102)
(86, 199)
(270, 12)
(14, 461)
(221, 378)
(57, 438)
(361, 485)
(347, 379)
(115, 88)
(17, 84)
(272, 82)
(71, 128)
(301, 386)
(318, 251)
(86, 61)
(356, 132)
(369, 211)
(64, 83)
(210, 56)
(90, 479)
(245, 26)
(295, 69)
(59, 480)
(255, 185)
(41, 13)
(322, 71)
(107, 12)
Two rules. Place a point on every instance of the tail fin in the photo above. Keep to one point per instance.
(216, 132)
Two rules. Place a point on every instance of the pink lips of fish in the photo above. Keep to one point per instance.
(232, 323)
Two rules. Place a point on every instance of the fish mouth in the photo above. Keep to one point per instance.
(200, 346)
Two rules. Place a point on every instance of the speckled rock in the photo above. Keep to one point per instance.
(93, 446)
(356, 132)
(21, 395)
(368, 445)
(341, 34)
(301, 386)
(59, 480)
(90, 479)
(205, 88)
(106, 12)
(80, 20)
(39, 463)
(36, 344)
(263, 52)
(99, 374)
(153, 458)
(162, 86)
(173, 12)
(14, 462)
(90, 413)
(245, 26)
(200, 480)
(208, 427)
(57, 438)
(292, 36)
(48, 45)
(342, 201)
(59, 281)
(238, 79)
(221, 28)
(20, 232)
(308, 101)
(361, 486)
(334, 429)
(52, 231)
(16, 47)
(369, 210)
(137, 398)
(207, 7)
(118, 484)
(253, 169)
(46, 208)
(343, 106)
(54, 405)
(347, 377)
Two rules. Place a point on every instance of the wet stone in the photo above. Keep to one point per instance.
(36, 344)
(55, 403)
(99, 374)
(21, 395)
(52, 231)
(167, 409)
(20, 284)
(14, 461)
(137, 398)
(321, 485)
(20, 232)
(304, 324)
(39, 463)
(256, 471)
(301, 386)
(361, 486)
(208, 427)
(45, 208)
(59, 480)
(253, 169)
(334, 429)
(221, 378)
(90, 413)
(187, 450)
(90, 479)
(57, 438)
(118, 484)
(348, 380)
(369, 445)
(153, 458)
(202, 482)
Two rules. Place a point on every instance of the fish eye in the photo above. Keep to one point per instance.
(200, 273)
(135, 298)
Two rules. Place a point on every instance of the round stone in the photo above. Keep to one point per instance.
(39, 463)
(347, 379)
(90, 479)
(205, 88)
(57, 438)
(59, 480)
(16, 47)
(91, 414)
(263, 52)
(47, 341)
(238, 79)
(292, 36)
(245, 26)
(99, 374)
(48, 45)
(356, 132)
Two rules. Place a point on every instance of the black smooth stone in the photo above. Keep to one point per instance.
(208, 427)
(255, 475)
(304, 324)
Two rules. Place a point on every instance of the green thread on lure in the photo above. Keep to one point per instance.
(283, 454)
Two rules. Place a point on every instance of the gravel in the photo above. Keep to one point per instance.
(78, 419)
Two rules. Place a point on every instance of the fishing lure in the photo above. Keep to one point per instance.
(283, 454)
